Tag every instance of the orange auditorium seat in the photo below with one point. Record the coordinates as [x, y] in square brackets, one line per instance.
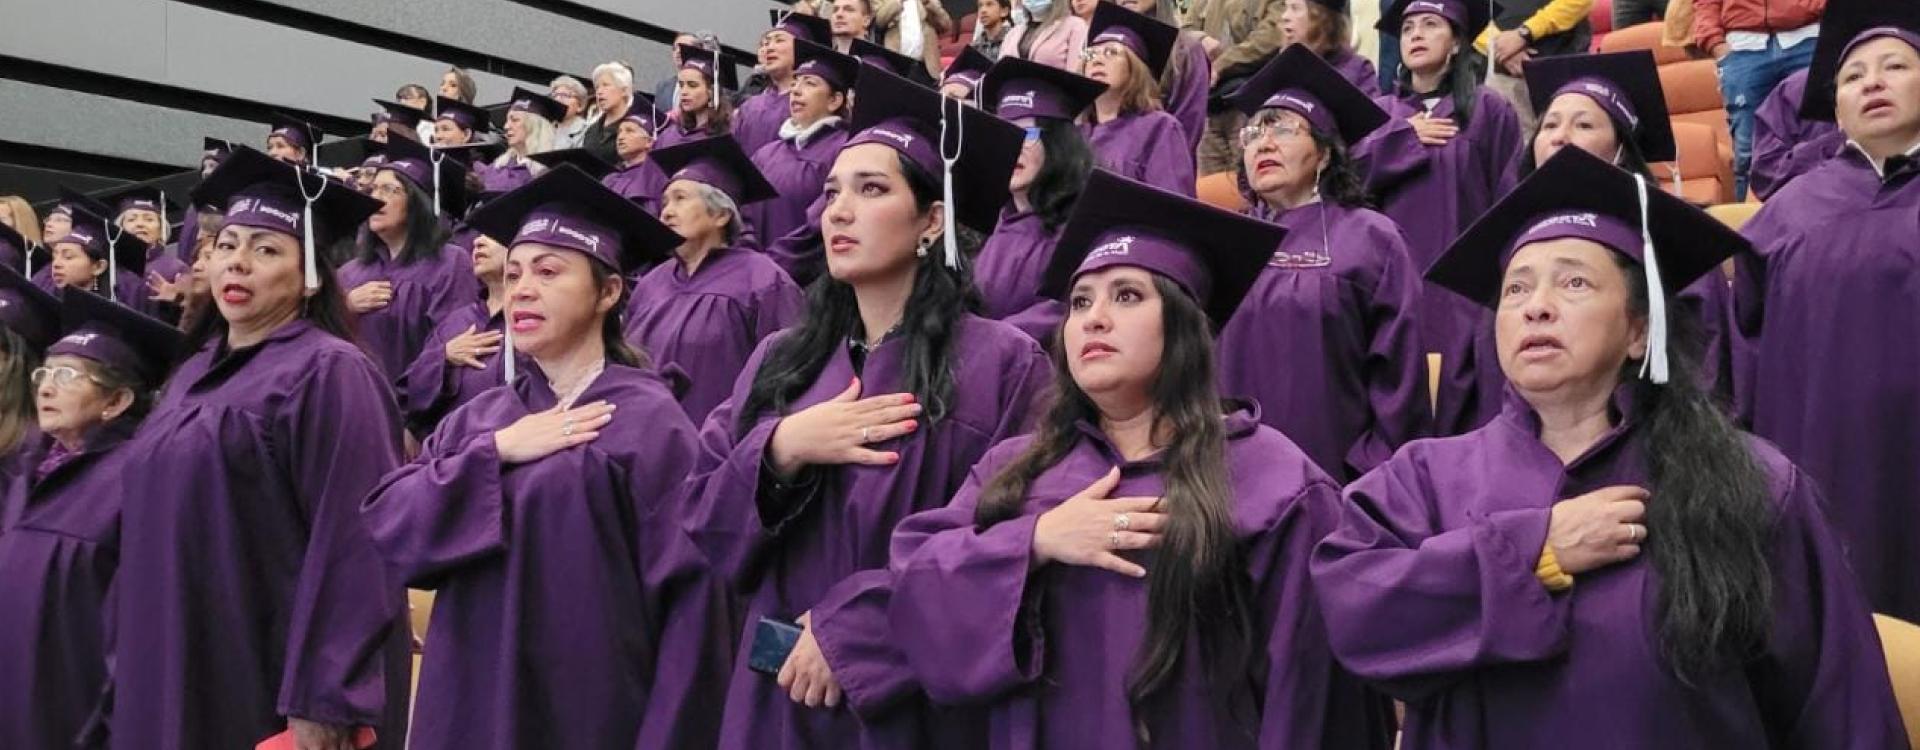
[1643, 36]
[1221, 189]
[1706, 177]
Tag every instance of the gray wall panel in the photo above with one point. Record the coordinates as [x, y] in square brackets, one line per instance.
[121, 37]
[91, 124]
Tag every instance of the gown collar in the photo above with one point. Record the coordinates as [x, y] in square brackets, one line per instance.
[1242, 418]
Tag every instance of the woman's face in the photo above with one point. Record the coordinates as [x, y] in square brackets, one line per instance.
[392, 194]
[284, 150]
[1877, 96]
[208, 164]
[575, 103]
[55, 227]
[553, 303]
[450, 85]
[1107, 63]
[1563, 324]
[632, 142]
[776, 52]
[1575, 119]
[71, 403]
[379, 132]
[811, 99]
[202, 257]
[516, 130]
[144, 224]
[489, 258]
[1114, 333]
[256, 276]
[1296, 23]
[1280, 156]
[694, 94]
[1084, 8]
[447, 133]
[73, 268]
[685, 211]
[1033, 157]
[1426, 43]
[871, 225]
[608, 94]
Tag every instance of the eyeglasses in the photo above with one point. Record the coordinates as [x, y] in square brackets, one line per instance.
[1033, 135]
[1256, 133]
[62, 377]
[1109, 51]
[383, 192]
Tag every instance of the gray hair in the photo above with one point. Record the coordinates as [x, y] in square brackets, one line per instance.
[621, 74]
[570, 82]
[718, 203]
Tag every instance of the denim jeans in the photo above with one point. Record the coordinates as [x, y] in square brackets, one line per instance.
[1745, 80]
[1389, 67]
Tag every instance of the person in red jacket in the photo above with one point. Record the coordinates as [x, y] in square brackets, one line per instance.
[1756, 44]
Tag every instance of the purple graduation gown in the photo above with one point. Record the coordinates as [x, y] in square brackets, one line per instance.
[670, 133]
[1007, 272]
[708, 325]
[641, 182]
[784, 553]
[757, 121]
[425, 291]
[500, 179]
[1428, 588]
[57, 565]
[798, 170]
[801, 252]
[1325, 342]
[1835, 308]
[1147, 147]
[1784, 145]
[1357, 69]
[1047, 652]
[572, 610]
[1434, 193]
[1186, 96]
[257, 593]
[432, 387]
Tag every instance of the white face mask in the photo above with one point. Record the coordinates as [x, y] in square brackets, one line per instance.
[1037, 8]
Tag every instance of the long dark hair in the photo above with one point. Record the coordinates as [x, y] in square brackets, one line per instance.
[1711, 517]
[612, 331]
[325, 309]
[1069, 160]
[940, 295]
[17, 408]
[425, 234]
[1631, 159]
[1199, 582]
[1462, 82]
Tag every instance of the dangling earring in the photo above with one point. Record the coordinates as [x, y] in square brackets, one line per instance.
[926, 243]
[1317, 173]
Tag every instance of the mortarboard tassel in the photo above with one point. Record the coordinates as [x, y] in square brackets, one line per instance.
[308, 250]
[948, 236]
[433, 163]
[506, 317]
[1656, 367]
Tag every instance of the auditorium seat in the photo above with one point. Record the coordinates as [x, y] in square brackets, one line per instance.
[419, 610]
[1600, 18]
[1643, 36]
[1221, 189]
[1734, 214]
[1706, 174]
[1901, 641]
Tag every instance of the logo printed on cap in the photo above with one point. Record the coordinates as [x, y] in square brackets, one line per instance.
[536, 225]
[1297, 102]
[592, 241]
[1108, 36]
[1588, 220]
[79, 339]
[905, 141]
[1018, 100]
[1597, 89]
[1423, 5]
[1118, 246]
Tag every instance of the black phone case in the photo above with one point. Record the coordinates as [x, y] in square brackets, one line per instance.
[773, 640]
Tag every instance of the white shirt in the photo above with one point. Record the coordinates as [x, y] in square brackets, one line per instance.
[1756, 41]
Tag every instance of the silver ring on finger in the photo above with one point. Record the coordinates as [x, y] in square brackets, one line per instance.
[866, 435]
[1121, 522]
[1113, 540]
[566, 428]
[1637, 531]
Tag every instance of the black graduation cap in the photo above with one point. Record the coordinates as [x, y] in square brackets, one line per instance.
[1302, 82]
[219, 147]
[1625, 84]
[581, 159]
[802, 26]
[717, 162]
[1150, 39]
[987, 146]
[711, 64]
[474, 153]
[886, 59]
[75, 200]
[300, 133]
[597, 214]
[257, 190]
[1215, 254]
[546, 107]
[967, 68]
[401, 114]
[1847, 24]
[838, 70]
[416, 162]
[465, 115]
[1467, 16]
[140, 196]
[27, 310]
[1015, 87]
[116, 335]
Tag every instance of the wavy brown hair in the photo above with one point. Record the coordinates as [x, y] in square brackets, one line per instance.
[17, 414]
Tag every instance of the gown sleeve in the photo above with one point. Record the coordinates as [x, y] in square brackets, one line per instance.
[429, 383]
[341, 433]
[1187, 100]
[1396, 369]
[1412, 607]
[726, 513]
[1168, 163]
[780, 305]
[1392, 155]
[1040, 320]
[1823, 681]
[443, 511]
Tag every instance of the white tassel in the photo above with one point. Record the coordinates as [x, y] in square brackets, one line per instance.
[948, 237]
[506, 319]
[1655, 367]
[433, 163]
[308, 249]
[112, 233]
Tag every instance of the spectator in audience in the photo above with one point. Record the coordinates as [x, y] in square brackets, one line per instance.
[1131, 135]
[529, 131]
[416, 96]
[1786, 145]
[1529, 29]
[668, 89]
[613, 98]
[1239, 36]
[458, 85]
[572, 128]
[1635, 12]
[1757, 44]
[1052, 35]
[1189, 73]
[992, 20]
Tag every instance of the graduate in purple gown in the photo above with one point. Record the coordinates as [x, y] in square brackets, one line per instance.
[1448, 155]
[796, 159]
[1832, 303]
[457, 123]
[254, 600]
[1610, 562]
[404, 276]
[1326, 27]
[142, 211]
[634, 178]
[1055, 160]
[29, 323]
[95, 256]
[961, 80]
[529, 130]
[1613, 106]
[759, 119]
[867, 411]
[292, 140]
[1186, 84]
[1786, 145]
[572, 611]
[461, 358]
[1325, 341]
[705, 108]
[1130, 133]
[213, 151]
[59, 553]
[1097, 558]
[706, 309]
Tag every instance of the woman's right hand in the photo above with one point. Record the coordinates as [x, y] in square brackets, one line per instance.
[1089, 527]
[838, 431]
[370, 296]
[536, 436]
[1433, 131]
[1598, 529]
[467, 348]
